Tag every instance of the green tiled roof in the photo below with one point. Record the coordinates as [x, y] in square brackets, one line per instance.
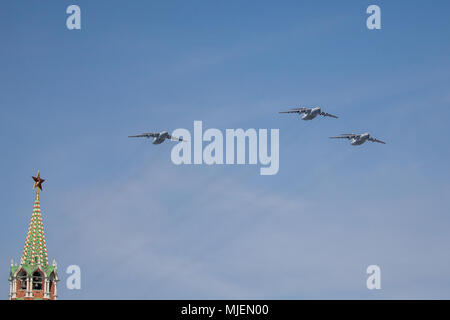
[35, 248]
[30, 269]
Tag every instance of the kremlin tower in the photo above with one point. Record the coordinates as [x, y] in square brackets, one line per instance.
[34, 278]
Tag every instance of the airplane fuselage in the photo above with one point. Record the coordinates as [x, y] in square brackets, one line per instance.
[311, 114]
[160, 139]
[360, 139]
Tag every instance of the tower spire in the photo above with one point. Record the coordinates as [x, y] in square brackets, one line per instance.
[35, 250]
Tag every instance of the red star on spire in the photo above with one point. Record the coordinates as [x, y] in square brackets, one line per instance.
[38, 181]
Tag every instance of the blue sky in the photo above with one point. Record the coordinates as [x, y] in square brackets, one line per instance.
[142, 228]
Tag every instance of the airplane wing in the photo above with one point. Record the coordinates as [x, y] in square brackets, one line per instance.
[326, 114]
[176, 138]
[376, 140]
[345, 135]
[146, 135]
[295, 110]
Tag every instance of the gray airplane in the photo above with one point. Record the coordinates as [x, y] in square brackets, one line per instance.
[309, 113]
[358, 139]
[158, 137]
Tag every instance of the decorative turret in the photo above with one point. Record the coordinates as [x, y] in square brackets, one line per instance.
[34, 278]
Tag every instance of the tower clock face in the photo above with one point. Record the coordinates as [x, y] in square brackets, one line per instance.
[212, 150]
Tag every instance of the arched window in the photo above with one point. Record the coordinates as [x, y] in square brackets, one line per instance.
[22, 277]
[37, 280]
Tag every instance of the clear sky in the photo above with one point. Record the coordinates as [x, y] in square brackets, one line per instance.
[141, 227]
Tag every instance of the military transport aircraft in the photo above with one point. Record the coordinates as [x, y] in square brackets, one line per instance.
[357, 139]
[158, 137]
[309, 113]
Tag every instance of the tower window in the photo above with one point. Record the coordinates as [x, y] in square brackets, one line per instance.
[23, 280]
[37, 280]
